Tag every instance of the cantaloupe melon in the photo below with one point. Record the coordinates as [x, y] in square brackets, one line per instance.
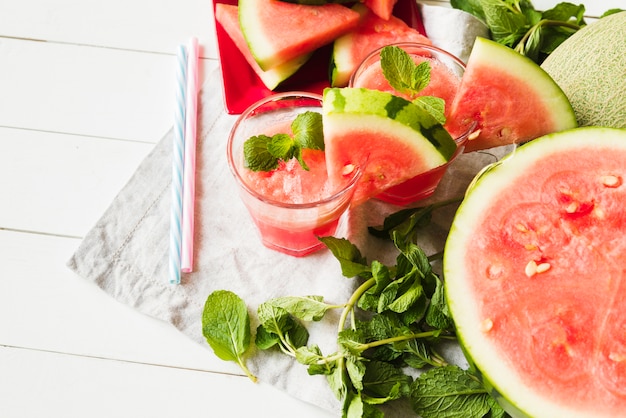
[590, 67]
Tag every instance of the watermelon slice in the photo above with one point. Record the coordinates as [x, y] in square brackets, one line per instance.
[382, 8]
[227, 16]
[394, 139]
[277, 31]
[511, 97]
[535, 276]
[373, 32]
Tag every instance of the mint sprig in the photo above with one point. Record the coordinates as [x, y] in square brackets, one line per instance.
[263, 153]
[409, 78]
[393, 320]
[518, 25]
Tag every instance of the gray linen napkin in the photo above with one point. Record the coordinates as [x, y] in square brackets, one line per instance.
[126, 252]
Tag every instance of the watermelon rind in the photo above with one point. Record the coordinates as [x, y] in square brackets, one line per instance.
[498, 120]
[518, 398]
[382, 121]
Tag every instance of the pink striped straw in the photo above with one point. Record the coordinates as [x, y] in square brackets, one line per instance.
[189, 174]
[177, 165]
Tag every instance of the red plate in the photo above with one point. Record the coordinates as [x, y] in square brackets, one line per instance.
[242, 87]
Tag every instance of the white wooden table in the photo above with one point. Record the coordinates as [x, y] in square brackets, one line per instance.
[86, 90]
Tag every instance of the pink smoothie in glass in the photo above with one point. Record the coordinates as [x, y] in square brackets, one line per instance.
[290, 206]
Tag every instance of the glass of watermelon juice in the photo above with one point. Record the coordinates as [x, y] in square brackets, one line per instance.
[290, 206]
[445, 78]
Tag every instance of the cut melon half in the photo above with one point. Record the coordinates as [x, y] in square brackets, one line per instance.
[278, 31]
[511, 98]
[227, 16]
[535, 276]
[390, 138]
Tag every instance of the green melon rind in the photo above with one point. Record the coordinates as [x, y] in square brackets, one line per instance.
[428, 134]
[502, 58]
[516, 397]
[252, 25]
[590, 67]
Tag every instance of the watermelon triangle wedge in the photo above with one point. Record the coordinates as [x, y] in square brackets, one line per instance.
[391, 139]
[227, 15]
[512, 98]
[278, 31]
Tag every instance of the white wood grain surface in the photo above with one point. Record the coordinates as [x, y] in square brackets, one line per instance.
[85, 93]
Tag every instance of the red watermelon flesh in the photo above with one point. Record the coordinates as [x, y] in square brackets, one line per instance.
[537, 253]
[510, 97]
[382, 8]
[373, 32]
[227, 16]
[278, 31]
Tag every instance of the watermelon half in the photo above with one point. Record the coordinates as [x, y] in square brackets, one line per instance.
[535, 272]
[392, 138]
[278, 31]
[227, 15]
[511, 98]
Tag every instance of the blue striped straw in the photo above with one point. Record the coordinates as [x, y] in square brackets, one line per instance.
[189, 174]
[177, 165]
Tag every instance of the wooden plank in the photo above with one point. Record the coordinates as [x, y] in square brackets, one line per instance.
[45, 306]
[61, 184]
[142, 25]
[38, 384]
[87, 91]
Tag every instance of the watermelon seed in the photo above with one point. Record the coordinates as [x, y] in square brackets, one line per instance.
[486, 325]
[533, 268]
[521, 227]
[347, 169]
[572, 207]
[474, 135]
[611, 181]
[494, 271]
[543, 267]
[599, 213]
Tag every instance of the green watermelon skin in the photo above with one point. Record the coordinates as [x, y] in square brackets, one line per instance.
[534, 275]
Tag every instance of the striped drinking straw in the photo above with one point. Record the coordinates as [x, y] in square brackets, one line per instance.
[189, 189]
[177, 166]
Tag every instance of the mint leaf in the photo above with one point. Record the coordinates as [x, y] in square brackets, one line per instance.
[383, 382]
[257, 155]
[401, 71]
[348, 255]
[263, 153]
[436, 106]
[503, 20]
[308, 130]
[226, 327]
[306, 308]
[450, 392]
